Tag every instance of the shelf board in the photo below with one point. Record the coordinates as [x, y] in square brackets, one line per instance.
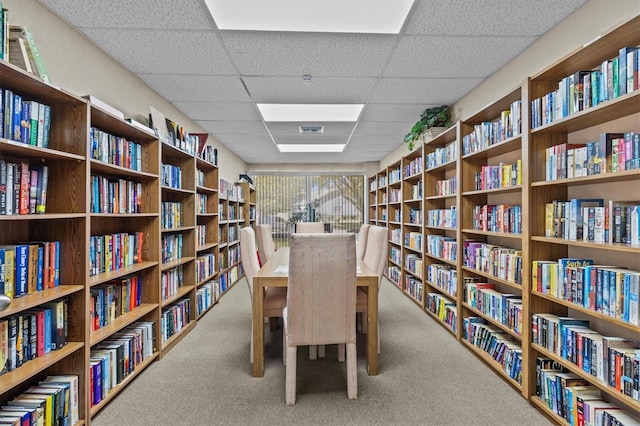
[590, 180]
[173, 340]
[118, 273]
[493, 278]
[492, 362]
[182, 291]
[440, 228]
[207, 279]
[440, 197]
[412, 178]
[121, 322]
[441, 259]
[413, 273]
[412, 201]
[206, 247]
[507, 145]
[413, 299]
[395, 263]
[449, 165]
[441, 290]
[541, 405]
[603, 246]
[206, 214]
[587, 311]
[44, 216]
[439, 321]
[112, 169]
[413, 249]
[176, 190]
[174, 263]
[201, 314]
[29, 151]
[174, 150]
[506, 189]
[200, 188]
[178, 229]
[122, 215]
[493, 321]
[492, 234]
[413, 225]
[23, 373]
[33, 300]
[204, 163]
[120, 386]
[612, 392]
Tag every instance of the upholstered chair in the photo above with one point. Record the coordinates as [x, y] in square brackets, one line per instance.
[275, 299]
[321, 301]
[375, 257]
[310, 228]
[361, 244]
[264, 241]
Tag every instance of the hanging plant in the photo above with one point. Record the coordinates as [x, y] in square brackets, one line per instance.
[431, 117]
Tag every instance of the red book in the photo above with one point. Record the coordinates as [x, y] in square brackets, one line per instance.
[25, 188]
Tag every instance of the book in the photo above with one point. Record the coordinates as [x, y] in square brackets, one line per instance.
[4, 346]
[18, 55]
[24, 33]
[19, 273]
[104, 106]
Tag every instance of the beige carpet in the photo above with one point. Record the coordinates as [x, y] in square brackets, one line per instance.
[426, 378]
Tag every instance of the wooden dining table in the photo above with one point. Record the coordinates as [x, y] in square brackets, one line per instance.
[274, 273]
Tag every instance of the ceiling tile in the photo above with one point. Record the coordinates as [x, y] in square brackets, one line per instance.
[375, 142]
[233, 126]
[163, 51]
[488, 17]
[240, 111]
[391, 112]
[297, 54]
[160, 14]
[198, 88]
[381, 128]
[425, 91]
[292, 89]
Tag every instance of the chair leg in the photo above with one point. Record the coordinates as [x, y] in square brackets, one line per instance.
[313, 352]
[341, 349]
[352, 371]
[321, 351]
[290, 375]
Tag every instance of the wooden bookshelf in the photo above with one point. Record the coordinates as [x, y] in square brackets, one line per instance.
[231, 220]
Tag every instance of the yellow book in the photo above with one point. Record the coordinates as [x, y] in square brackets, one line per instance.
[34, 393]
[9, 272]
[519, 172]
[549, 212]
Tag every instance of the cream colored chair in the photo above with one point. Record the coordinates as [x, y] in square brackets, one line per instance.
[275, 299]
[264, 241]
[310, 228]
[321, 301]
[375, 257]
[361, 245]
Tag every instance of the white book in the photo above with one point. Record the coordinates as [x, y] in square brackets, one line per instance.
[104, 106]
[599, 225]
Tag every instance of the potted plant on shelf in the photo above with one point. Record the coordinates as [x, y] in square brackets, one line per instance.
[433, 121]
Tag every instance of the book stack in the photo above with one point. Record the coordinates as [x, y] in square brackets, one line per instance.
[176, 317]
[115, 150]
[24, 120]
[113, 299]
[490, 133]
[23, 188]
[30, 267]
[114, 251]
[24, 53]
[110, 195]
[170, 281]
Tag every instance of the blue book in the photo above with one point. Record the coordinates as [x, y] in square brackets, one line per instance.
[17, 116]
[2, 289]
[563, 322]
[40, 281]
[47, 330]
[625, 298]
[25, 123]
[57, 263]
[21, 274]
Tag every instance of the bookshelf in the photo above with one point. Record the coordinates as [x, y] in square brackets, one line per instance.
[64, 220]
[503, 173]
[206, 236]
[393, 189]
[178, 242]
[231, 220]
[372, 199]
[412, 224]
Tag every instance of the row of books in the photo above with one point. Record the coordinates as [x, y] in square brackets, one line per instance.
[201, 235]
[413, 240]
[115, 150]
[206, 296]
[229, 190]
[413, 263]
[175, 318]
[29, 268]
[227, 212]
[113, 299]
[611, 153]
[415, 215]
[609, 290]
[394, 274]
[209, 154]
[414, 287]
[499, 261]
[585, 89]
[205, 266]
[490, 133]
[498, 218]
[444, 277]
[53, 401]
[395, 195]
[500, 346]
[170, 176]
[613, 360]
[395, 254]
[413, 168]
[394, 176]
[114, 251]
[444, 308]
[574, 399]
[171, 247]
[109, 195]
[589, 219]
[447, 186]
[32, 334]
[442, 247]
[501, 176]
[443, 218]
[442, 155]
[23, 188]
[200, 177]
[23, 120]
[170, 281]
[116, 358]
[503, 307]
[201, 203]
[171, 215]
[416, 191]
[395, 236]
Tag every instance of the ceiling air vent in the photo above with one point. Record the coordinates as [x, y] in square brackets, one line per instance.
[311, 130]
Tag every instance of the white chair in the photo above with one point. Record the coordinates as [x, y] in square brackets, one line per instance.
[375, 257]
[361, 245]
[264, 241]
[321, 301]
[275, 299]
[310, 228]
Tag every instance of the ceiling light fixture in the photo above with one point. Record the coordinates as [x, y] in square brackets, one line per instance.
[338, 16]
[294, 147]
[310, 112]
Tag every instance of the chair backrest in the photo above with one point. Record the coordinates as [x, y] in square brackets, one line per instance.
[248, 254]
[361, 246]
[310, 228]
[375, 256]
[321, 294]
[264, 240]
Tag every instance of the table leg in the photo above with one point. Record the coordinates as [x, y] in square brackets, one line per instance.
[258, 328]
[372, 332]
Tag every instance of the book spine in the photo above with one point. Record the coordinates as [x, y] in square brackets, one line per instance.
[42, 71]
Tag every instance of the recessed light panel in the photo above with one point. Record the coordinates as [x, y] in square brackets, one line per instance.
[310, 112]
[337, 16]
[294, 147]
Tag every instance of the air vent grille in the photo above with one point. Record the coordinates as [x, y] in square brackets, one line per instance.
[311, 130]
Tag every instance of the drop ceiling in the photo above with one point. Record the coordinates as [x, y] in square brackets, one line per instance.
[216, 77]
